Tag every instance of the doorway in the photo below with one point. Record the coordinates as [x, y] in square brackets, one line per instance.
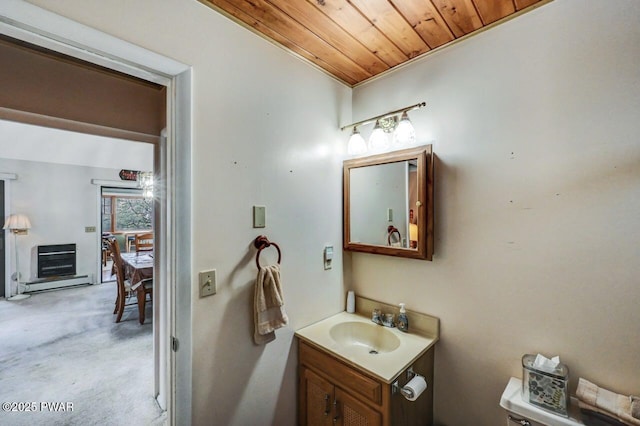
[30, 23]
[124, 213]
[64, 190]
[3, 246]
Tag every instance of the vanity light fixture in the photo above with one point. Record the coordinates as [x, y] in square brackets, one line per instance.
[403, 132]
[356, 144]
[379, 140]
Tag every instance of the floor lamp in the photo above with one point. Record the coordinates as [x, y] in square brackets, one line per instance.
[18, 224]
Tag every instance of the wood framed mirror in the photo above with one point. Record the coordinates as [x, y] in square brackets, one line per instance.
[388, 203]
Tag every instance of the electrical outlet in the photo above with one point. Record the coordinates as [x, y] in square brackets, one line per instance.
[207, 280]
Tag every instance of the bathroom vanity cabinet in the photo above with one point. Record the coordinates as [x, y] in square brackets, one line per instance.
[333, 392]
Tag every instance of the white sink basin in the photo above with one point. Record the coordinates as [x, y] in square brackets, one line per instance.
[352, 337]
[370, 337]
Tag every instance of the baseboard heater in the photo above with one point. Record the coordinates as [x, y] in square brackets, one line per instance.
[54, 283]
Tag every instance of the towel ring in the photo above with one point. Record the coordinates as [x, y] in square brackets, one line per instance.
[392, 230]
[262, 243]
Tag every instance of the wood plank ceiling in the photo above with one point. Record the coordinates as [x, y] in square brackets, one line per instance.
[355, 40]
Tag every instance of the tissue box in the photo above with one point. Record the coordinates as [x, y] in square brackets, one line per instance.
[544, 389]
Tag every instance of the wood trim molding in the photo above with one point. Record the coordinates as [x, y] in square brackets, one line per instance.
[75, 126]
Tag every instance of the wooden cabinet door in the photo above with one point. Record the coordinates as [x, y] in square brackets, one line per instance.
[351, 412]
[317, 400]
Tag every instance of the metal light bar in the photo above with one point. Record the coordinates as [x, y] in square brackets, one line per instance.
[388, 114]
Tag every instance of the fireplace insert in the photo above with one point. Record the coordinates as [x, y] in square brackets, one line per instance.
[56, 260]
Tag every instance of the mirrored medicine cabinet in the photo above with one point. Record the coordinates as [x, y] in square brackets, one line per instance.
[388, 203]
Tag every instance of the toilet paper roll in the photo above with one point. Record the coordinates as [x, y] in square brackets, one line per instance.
[414, 388]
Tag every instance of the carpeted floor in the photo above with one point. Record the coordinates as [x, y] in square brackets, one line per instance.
[64, 347]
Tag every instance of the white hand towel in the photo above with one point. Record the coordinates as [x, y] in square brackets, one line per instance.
[611, 402]
[269, 313]
[587, 391]
[635, 407]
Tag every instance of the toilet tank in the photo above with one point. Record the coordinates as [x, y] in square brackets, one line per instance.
[519, 412]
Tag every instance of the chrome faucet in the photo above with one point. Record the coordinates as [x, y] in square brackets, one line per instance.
[376, 316]
[388, 320]
[382, 319]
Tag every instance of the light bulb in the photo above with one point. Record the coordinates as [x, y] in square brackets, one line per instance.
[404, 134]
[378, 141]
[356, 143]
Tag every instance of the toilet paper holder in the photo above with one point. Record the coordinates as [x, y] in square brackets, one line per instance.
[407, 393]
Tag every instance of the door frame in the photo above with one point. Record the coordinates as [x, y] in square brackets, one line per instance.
[7, 178]
[26, 22]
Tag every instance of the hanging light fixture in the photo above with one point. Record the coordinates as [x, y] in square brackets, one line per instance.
[404, 134]
[385, 124]
[378, 141]
[356, 144]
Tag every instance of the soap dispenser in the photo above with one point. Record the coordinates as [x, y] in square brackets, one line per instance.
[403, 321]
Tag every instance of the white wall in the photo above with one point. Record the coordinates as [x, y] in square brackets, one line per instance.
[265, 132]
[60, 201]
[535, 124]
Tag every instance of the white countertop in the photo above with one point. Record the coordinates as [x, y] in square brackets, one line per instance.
[384, 366]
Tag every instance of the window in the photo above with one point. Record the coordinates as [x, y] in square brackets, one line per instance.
[133, 214]
[126, 212]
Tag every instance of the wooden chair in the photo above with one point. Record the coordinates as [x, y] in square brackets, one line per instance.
[125, 289]
[105, 253]
[129, 241]
[143, 288]
[144, 242]
[106, 248]
[122, 243]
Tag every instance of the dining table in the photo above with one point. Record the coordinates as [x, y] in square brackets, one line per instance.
[137, 266]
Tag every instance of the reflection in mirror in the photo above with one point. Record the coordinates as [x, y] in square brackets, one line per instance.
[382, 217]
[394, 239]
[388, 203]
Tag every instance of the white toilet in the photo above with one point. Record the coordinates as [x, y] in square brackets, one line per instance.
[522, 413]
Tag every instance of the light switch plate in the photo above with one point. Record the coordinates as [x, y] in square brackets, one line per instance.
[328, 257]
[89, 229]
[207, 280]
[259, 216]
